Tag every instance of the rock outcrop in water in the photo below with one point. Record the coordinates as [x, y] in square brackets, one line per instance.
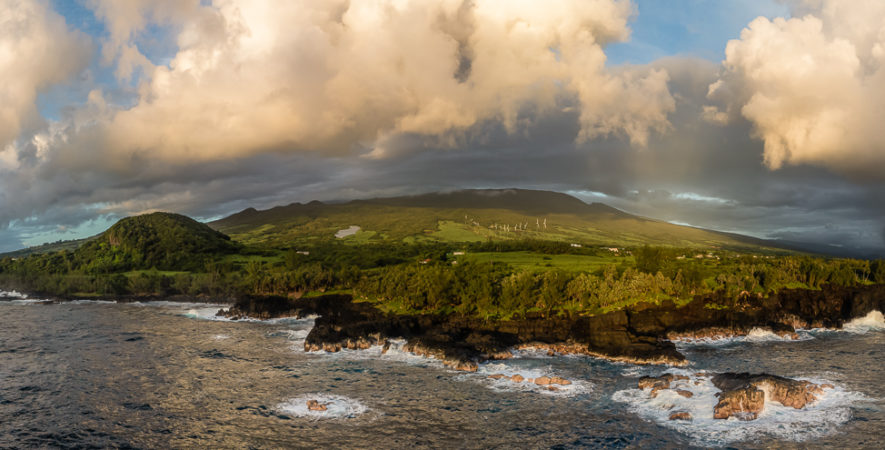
[793, 393]
[743, 395]
[744, 403]
[315, 405]
[639, 334]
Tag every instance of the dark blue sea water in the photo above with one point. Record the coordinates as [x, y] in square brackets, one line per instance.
[96, 375]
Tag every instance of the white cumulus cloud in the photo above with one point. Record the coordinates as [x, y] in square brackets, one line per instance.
[813, 86]
[36, 51]
[257, 76]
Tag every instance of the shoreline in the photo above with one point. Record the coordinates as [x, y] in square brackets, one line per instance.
[645, 334]
[642, 334]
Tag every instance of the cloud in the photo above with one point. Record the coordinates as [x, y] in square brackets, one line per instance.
[265, 103]
[36, 51]
[256, 76]
[812, 86]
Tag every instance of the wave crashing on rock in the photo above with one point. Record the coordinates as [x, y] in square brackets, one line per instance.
[873, 321]
[664, 400]
[322, 406]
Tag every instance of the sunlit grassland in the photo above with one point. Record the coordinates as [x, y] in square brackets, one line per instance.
[539, 262]
[410, 225]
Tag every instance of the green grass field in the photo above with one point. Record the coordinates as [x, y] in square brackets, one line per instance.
[539, 262]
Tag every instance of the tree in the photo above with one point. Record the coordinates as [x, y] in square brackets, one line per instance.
[649, 259]
[877, 270]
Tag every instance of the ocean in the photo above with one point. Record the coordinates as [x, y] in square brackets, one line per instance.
[159, 375]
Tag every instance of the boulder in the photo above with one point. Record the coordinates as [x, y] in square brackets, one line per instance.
[658, 383]
[517, 378]
[497, 376]
[793, 393]
[560, 381]
[680, 415]
[314, 405]
[542, 381]
[684, 393]
[744, 403]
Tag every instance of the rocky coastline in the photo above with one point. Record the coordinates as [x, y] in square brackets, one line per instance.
[640, 334]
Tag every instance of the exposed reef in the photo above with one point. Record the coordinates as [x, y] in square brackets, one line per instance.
[639, 334]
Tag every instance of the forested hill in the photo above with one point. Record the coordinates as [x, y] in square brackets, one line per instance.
[160, 240]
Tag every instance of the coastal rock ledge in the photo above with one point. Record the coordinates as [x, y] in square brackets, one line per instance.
[638, 334]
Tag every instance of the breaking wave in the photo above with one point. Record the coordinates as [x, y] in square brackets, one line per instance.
[529, 372]
[874, 321]
[821, 418]
[13, 294]
[755, 336]
[337, 407]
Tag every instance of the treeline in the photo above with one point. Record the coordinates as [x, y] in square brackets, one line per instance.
[418, 278]
[533, 245]
[493, 290]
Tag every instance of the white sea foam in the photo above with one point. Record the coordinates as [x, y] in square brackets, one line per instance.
[395, 352]
[205, 313]
[12, 294]
[297, 334]
[296, 320]
[874, 321]
[337, 407]
[821, 418]
[25, 301]
[756, 336]
[528, 370]
[91, 302]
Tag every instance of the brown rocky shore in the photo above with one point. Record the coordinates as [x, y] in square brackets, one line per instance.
[639, 334]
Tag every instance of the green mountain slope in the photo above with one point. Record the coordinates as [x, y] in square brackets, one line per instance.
[469, 215]
[162, 240]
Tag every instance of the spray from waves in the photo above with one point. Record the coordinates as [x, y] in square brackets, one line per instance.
[821, 418]
[874, 321]
[296, 333]
[337, 407]
[394, 352]
[25, 301]
[490, 375]
[13, 294]
[755, 336]
[209, 311]
[91, 302]
[17, 298]
[204, 313]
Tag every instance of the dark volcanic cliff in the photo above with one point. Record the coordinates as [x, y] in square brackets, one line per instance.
[639, 334]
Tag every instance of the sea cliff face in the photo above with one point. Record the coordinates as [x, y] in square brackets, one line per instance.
[641, 334]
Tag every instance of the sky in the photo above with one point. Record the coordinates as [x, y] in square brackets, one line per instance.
[754, 116]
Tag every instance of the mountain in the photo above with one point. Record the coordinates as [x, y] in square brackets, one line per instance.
[470, 215]
[162, 240]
